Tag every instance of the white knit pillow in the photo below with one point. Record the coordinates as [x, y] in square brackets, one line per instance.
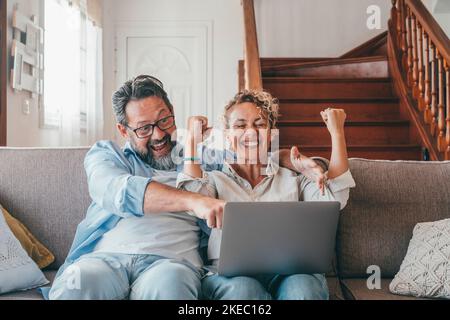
[425, 271]
[17, 271]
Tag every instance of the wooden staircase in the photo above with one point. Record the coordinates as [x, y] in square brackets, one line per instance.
[375, 128]
[362, 87]
[395, 89]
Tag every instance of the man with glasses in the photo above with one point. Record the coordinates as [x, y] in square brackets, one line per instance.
[141, 236]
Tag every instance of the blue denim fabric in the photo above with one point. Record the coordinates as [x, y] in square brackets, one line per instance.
[293, 287]
[107, 276]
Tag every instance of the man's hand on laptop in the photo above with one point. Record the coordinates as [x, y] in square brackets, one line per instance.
[209, 209]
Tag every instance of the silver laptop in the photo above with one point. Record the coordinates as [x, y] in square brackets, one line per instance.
[278, 238]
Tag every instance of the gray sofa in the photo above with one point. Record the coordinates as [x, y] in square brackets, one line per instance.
[46, 189]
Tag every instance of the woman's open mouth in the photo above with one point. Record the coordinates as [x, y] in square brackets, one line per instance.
[250, 144]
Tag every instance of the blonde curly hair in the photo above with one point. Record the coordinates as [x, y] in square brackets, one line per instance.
[268, 105]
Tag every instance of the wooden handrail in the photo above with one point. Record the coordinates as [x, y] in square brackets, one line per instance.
[422, 52]
[252, 63]
[367, 47]
[433, 29]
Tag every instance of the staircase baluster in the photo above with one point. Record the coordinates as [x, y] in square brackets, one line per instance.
[441, 113]
[404, 43]
[399, 22]
[421, 102]
[433, 91]
[427, 98]
[415, 88]
[410, 49]
[394, 14]
[447, 80]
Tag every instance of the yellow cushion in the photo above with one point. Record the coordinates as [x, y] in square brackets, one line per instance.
[36, 250]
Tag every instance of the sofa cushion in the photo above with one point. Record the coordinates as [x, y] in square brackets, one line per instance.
[390, 198]
[425, 272]
[29, 294]
[36, 250]
[356, 289]
[47, 191]
[17, 270]
[334, 288]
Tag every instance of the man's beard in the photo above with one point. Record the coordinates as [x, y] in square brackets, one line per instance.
[162, 163]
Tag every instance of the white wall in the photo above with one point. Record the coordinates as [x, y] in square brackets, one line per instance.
[440, 9]
[315, 28]
[444, 21]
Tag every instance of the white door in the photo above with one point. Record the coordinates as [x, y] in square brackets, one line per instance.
[179, 54]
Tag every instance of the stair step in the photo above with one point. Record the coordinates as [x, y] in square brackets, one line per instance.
[272, 62]
[362, 110]
[319, 62]
[364, 67]
[328, 88]
[380, 152]
[356, 132]
[314, 123]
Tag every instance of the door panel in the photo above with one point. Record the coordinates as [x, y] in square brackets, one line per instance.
[179, 54]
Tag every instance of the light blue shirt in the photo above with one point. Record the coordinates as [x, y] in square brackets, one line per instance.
[117, 182]
[174, 235]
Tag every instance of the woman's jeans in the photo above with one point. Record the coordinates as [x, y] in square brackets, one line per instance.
[294, 287]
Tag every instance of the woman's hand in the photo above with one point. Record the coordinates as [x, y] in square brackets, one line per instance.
[197, 133]
[198, 128]
[334, 119]
[309, 168]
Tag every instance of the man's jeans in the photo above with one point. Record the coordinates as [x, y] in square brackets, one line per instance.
[109, 276]
[294, 287]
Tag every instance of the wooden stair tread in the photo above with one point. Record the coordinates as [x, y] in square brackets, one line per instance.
[340, 100]
[375, 152]
[268, 61]
[358, 133]
[359, 117]
[358, 147]
[351, 123]
[328, 88]
[325, 79]
[356, 110]
[322, 63]
[352, 68]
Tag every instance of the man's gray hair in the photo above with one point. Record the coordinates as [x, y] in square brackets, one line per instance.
[141, 87]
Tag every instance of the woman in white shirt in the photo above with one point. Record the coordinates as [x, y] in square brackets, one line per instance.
[249, 122]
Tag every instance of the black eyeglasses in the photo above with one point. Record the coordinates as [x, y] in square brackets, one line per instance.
[147, 130]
